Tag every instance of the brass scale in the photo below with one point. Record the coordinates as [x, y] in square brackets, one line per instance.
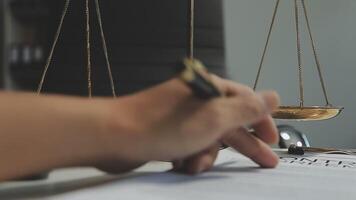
[297, 113]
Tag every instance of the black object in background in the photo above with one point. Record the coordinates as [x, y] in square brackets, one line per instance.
[291, 136]
[2, 24]
[145, 41]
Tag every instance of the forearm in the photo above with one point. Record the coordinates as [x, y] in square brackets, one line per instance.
[39, 133]
[42, 133]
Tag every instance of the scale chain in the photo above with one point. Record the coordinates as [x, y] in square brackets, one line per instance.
[191, 26]
[105, 49]
[266, 45]
[316, 57]
[88, 47]
[53, 47]
[299, 54]
[300, 67]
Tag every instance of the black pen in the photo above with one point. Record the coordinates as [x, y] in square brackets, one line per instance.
[197, 77]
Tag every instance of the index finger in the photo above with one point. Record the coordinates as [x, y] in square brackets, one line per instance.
[266, 130]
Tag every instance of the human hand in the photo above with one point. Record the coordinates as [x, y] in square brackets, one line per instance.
[168, 123]
[252, 144]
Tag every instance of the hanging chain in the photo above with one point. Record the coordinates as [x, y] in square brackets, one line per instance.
[87, 14]
[191, 19]
[53, 47]
[88, 47]
[266, 45]
[105, 49]
[299, 54]
[317, 62]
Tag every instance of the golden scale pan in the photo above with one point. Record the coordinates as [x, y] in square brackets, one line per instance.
[298, 113]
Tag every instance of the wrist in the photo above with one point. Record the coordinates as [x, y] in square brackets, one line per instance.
[82, 122]
[123, 135]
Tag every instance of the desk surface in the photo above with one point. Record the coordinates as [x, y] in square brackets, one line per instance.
[312, 176]
[67, 180]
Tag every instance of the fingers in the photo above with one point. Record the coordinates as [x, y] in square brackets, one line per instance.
[198, 163]
[231, 88]
[252, 147]
[266, 130]
[245, 110]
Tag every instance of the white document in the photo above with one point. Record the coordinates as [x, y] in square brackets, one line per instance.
[313, 176]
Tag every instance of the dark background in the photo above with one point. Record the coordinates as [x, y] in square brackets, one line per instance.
[1, 44]
[146, 39]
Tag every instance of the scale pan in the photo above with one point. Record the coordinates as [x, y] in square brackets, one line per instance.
[312, 113]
